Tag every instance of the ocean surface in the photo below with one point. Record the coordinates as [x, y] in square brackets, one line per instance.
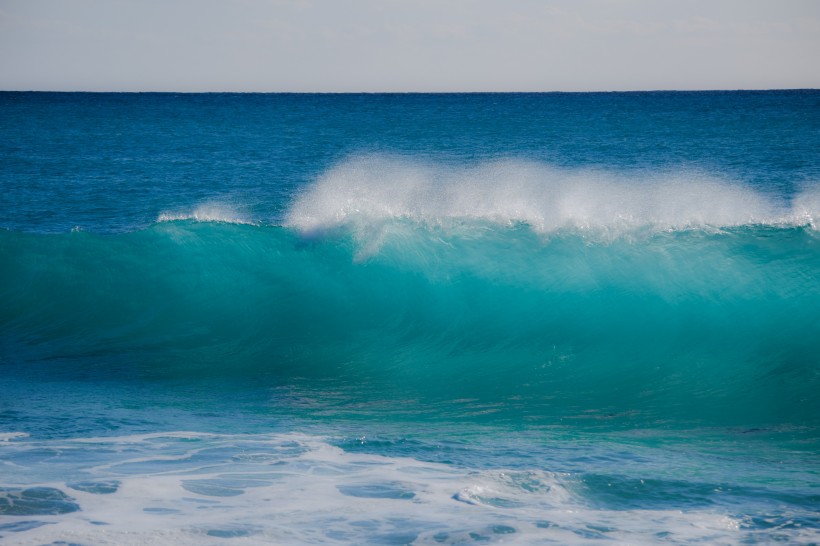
[562, 318]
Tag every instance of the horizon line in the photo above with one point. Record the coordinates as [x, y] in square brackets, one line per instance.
[158, 92]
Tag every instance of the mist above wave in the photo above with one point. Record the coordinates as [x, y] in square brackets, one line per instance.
[365, 192]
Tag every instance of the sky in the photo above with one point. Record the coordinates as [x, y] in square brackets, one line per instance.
[408, 45]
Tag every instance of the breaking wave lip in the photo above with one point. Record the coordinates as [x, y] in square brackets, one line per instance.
[209, 212]
[363, 193]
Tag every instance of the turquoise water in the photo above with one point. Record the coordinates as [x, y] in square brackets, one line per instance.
[528, 318]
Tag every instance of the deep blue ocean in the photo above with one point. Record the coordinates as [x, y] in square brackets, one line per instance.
[561, 318]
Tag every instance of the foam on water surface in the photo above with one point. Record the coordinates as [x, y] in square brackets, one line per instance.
[297, 488]
[10, 436]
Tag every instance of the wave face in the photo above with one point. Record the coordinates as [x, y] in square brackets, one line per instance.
[708, 320]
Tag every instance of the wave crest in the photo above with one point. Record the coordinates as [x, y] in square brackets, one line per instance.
[363, 193]
[211, 211]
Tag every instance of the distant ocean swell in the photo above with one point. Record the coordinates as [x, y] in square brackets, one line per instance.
[593, 294]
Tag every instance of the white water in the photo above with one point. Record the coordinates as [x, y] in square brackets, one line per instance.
[364, 192]
[211, 211]
[189, 488]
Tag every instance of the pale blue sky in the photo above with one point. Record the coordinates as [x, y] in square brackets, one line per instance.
[401, 45]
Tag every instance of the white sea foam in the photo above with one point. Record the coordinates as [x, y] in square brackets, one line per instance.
[211, 211]
[363, 193]
[806, 206]
[294, 488]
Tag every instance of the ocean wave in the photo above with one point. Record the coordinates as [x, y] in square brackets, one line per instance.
[724, 322]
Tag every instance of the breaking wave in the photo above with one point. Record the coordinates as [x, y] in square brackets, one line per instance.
[565, 294]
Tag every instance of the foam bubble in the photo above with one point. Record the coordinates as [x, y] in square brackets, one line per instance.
[365, 193]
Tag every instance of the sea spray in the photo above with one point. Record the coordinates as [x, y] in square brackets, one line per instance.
[365, 191]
